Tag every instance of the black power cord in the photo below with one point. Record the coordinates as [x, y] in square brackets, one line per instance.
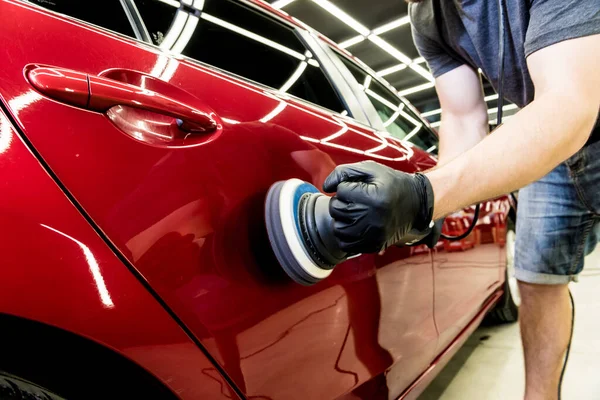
[564, 367]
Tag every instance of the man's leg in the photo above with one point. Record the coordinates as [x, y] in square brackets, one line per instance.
[545, 330]
[557, 225]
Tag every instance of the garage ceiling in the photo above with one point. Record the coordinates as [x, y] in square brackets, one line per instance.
[378, 32]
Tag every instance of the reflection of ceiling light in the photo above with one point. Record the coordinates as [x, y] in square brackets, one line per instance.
[391, 25]
[294, 78]
[394, 116]
[186, 34]
[175, 30]
[378, 148]
[281, 3]
[381, 99]
[367, 83]
[337, 134]
[93, 266]
[231, 121]
[6, 133]
[342, 16]
[309, 139]
[432, 148]
[409, 118]
[252, 35]
[276, 111]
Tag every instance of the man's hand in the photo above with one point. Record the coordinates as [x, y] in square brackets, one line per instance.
[376, 206]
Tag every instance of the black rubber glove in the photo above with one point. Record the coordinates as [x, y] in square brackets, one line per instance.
[375, 206]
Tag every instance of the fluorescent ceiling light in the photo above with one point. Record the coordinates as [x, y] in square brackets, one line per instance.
[281, 3]
[351, 42]
[367, 83]
[391, 50]
[415, 89]
[490, 98]
[436, 124]
[422, 71]
[391, 70]
[294, 78]
[342, 16]
[413, 132]
[391, 25]
[419, 60]
[252, 35]
[172, 3]
[432, 148]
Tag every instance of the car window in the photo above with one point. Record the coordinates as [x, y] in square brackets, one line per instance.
[398, 119]
[108, 14]
[236, 38]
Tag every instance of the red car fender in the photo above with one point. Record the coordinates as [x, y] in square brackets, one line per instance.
[56, 270]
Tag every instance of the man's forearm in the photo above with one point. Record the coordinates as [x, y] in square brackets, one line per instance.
[526, 148]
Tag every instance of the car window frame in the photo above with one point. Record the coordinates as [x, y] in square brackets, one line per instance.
[338, 84]
[375, 121]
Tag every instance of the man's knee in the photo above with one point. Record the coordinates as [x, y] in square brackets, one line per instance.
[532, 293]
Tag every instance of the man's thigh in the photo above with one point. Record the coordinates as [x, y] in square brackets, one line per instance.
[557, 220]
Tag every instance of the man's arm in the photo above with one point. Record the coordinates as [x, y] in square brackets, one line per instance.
[538, 138]
[464, 112]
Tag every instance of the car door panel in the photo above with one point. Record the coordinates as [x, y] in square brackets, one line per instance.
[469, 271]
[191, 219]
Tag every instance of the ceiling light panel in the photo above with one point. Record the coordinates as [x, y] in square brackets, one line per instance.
[342, 16]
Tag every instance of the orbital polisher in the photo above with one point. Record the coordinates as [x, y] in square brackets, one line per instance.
[300, 230]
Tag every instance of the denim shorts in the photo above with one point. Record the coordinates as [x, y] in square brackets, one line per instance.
[558, 220]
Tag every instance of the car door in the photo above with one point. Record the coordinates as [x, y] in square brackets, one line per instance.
[171, 159]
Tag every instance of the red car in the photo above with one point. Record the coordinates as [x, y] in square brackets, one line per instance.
[138, 139]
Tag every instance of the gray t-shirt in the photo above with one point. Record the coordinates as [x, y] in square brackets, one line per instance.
[470, 31]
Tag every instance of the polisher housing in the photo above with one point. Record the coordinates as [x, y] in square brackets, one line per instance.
[300, 230]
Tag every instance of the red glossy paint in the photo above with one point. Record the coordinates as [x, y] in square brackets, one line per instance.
[57, 270]
[69, 87]
[190, 219]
